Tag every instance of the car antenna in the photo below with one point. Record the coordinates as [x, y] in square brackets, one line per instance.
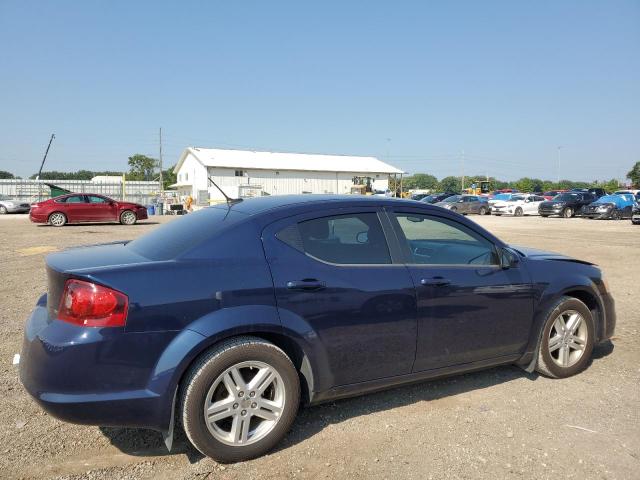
[230, 201]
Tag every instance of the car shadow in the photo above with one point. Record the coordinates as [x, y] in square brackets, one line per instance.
[137, 224]
[312, 420]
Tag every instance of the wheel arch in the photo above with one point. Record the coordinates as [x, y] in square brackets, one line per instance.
[189, 344]
[587, 294]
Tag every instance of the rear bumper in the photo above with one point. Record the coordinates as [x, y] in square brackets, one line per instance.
[84, 375]
[37, 217]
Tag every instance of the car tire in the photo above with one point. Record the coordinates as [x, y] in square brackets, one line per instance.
[483, 211]
[128, 218]
[453, 209]
[57, 219]
[213, 374]
[567, 212]
[566, 343]
[518, 212]
[3, 210]
[544, 216]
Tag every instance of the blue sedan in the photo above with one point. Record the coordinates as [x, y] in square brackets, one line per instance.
[226, 320]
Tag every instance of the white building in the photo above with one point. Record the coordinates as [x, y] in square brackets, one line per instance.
[246, 173]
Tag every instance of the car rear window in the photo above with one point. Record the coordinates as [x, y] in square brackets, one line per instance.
[177, 237]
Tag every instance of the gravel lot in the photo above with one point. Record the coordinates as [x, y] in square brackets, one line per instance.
[493, 424]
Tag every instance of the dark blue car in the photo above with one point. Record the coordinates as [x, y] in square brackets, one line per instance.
[229, 318]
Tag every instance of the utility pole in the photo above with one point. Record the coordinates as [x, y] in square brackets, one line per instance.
[462, 161]
[558, 170]
[161, 184]
[53, 135]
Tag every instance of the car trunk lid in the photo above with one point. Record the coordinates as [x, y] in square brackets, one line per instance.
[83, 262]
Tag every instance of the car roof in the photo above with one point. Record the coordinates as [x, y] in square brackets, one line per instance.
[257, 205]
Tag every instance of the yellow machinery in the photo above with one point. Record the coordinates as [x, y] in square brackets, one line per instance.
[478, 188]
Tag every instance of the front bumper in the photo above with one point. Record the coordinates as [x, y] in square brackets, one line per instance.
[85, 375]
[610, 317]
[551, 211]
[18, 209]
[141, 214]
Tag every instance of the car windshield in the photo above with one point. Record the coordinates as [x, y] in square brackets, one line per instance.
[516, 199]
[566, 197]
[452, 199]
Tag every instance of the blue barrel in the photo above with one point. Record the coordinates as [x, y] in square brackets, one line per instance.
[151, 210]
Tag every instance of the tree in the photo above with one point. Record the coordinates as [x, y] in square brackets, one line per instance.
[634, 175]
[611, 185]
[525, 184]
[4, 174]
[450, 184]
[421, 181]
[142, 167]
[168, 177]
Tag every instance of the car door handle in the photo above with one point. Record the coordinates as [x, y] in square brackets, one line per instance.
[308, 284]
[435, 282]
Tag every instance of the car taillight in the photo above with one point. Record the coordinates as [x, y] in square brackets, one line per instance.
[90, 305]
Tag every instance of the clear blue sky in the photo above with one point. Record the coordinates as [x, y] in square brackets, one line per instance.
[412, 82]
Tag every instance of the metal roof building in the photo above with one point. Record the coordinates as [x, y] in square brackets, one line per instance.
[248, 173]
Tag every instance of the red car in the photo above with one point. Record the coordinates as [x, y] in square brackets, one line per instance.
[85, 207]
[552, 193]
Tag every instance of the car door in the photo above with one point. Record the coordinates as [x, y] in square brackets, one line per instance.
[334, 277]
[101, 209]
[74, 207]
[469, 308]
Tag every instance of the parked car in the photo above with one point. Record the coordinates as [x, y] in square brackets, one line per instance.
[596, 192]
[465, 204]
[226, 319]
[501, 197]
[517, 205]
[635, 215]
[9, 205]
[418, 196]
[549, 195]
[81, 207]
[565, 204]
[613, 207]
[437, 197]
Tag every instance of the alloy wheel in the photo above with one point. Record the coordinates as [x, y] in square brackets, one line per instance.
[518, 212]
[244, 403]
[128, 218]
[568, 338]
[57, 219]
[3, 209]
[568, 212]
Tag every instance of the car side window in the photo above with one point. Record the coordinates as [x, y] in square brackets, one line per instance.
[342, 239]
[95, 199]
[75, 199]
[439, 241]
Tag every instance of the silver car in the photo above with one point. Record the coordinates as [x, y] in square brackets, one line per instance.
[465, 204]
[8, 205]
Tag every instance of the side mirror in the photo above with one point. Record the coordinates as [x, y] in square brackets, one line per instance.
[508, 258]
[460, 201]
